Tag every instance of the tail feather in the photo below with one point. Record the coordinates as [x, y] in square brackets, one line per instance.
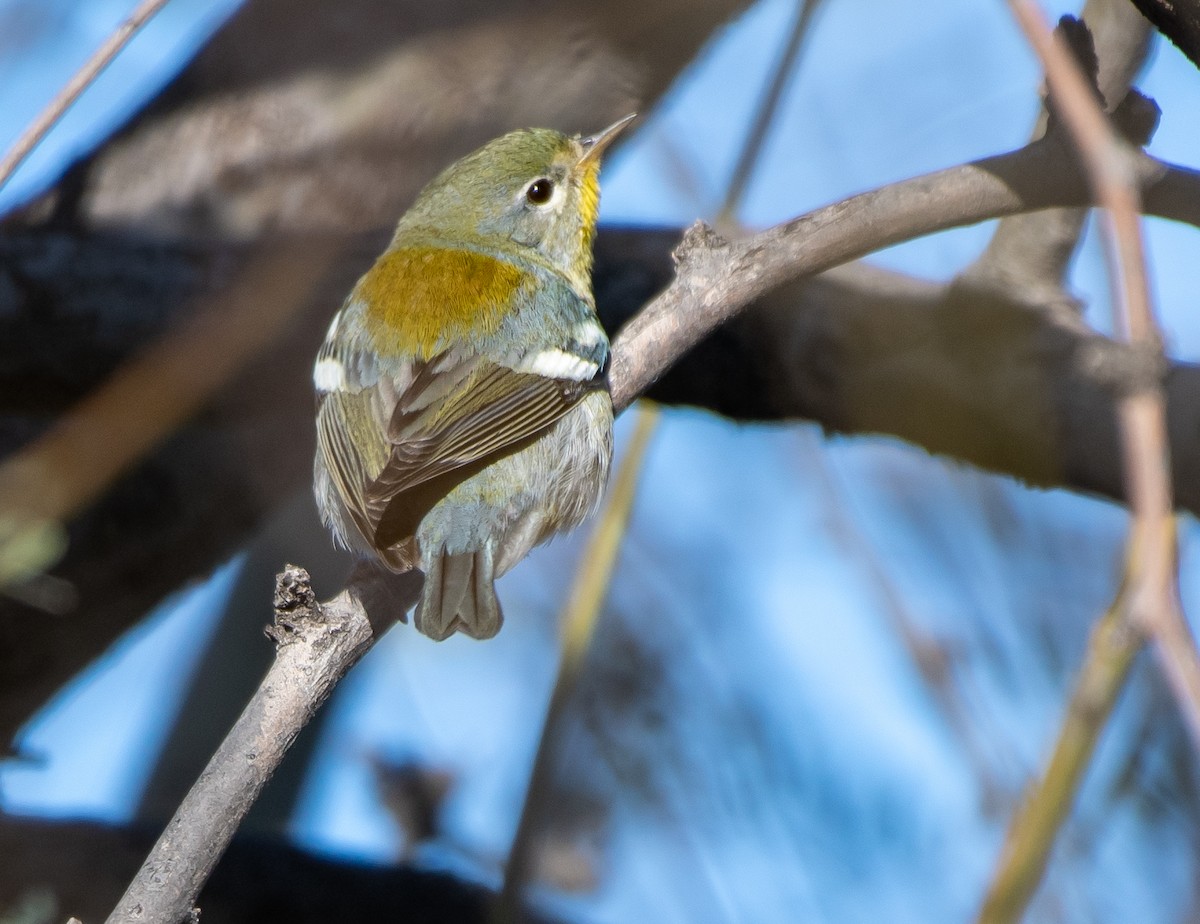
[459, 595]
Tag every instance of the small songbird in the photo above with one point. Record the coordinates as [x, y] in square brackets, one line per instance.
[463, 413]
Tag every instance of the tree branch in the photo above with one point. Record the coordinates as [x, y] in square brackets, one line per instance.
[63, 101]
[315, 645]
[714, 281]
[1029, 254]
[717, 279]
[1034, 827]
[1178, 20]
[1152, 557]
[1147, 601]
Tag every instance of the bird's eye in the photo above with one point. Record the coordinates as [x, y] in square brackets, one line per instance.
[540, 191]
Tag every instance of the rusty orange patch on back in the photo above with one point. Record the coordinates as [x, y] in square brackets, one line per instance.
[418, 296]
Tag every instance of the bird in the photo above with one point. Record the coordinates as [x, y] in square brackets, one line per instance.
[463, 414]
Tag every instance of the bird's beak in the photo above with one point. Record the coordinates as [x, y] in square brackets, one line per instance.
[594, 145]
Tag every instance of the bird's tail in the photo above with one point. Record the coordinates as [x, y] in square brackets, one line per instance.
[459, 594]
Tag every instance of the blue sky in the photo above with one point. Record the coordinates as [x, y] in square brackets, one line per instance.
[869, 791]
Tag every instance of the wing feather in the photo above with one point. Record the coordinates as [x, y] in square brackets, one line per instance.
[491, 411]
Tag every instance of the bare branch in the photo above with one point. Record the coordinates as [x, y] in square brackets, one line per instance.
[104, 55]
[764, 116]
[1106, 664]
[1178, 20]
[858, 350]
[717, 279]
[1147, 599]
[1029, 254]
[1152, 551]
[315, 645]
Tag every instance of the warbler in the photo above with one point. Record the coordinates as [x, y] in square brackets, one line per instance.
[463, 412]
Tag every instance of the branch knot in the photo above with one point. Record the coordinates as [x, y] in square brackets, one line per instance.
[699, 242]
[295, 603]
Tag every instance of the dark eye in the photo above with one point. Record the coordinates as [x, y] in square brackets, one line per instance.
[540, 191]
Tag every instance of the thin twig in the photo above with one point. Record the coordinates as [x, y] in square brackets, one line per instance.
[765, 115]
[579, 622]
[1028, 255]
[1147, 596]
[54, 111]
[1031, 835]
[1142, 415]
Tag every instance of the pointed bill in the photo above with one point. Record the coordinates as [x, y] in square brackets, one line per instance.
[594, 145]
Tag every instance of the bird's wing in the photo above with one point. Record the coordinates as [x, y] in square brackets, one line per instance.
[459, 414]
[354, 406]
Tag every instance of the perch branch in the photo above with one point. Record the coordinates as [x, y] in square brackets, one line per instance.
[315, 645]
[716, 278]
[854, 351]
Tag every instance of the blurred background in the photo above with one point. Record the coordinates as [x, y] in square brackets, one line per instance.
[828, 662]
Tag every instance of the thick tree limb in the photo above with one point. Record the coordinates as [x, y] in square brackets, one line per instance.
[1178, 20]
[309, 116]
